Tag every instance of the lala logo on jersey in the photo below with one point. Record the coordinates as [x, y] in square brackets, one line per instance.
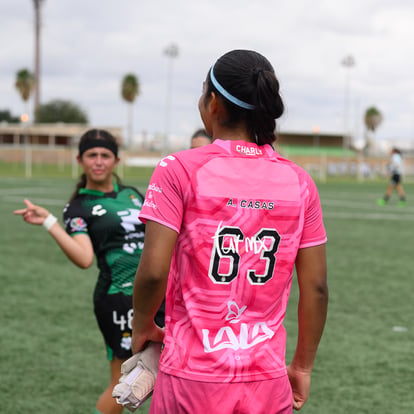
[234, 312]
[226, 337]
[78, 224]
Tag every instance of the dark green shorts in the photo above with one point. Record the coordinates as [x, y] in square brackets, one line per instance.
[114, 316]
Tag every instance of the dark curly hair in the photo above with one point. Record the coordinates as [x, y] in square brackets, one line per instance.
[248, 77]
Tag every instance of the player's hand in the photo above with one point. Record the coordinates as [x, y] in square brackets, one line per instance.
[300, 381]
[32, 214]
[138, 377]
[140, 338]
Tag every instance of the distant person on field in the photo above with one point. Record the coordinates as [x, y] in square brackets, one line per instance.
[200, 138]
[395, 169]
[226, 224]
[101, 218]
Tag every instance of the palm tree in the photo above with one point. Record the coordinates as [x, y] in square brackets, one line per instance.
[373, 118]
[130, 90]
[24, 83]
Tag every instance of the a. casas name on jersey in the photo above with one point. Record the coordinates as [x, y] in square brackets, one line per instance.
[253, 204]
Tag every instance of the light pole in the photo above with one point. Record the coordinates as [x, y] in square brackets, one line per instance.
[171, 52]
[37, 4]
[347, 62]
[316, 138]
[24, 118]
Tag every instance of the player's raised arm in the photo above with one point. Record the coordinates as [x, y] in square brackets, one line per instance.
[77, 248]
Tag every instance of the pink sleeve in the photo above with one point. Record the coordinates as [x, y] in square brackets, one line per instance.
[164, 198]
[314, 232]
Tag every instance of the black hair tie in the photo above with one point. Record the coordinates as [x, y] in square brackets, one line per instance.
[256, 73]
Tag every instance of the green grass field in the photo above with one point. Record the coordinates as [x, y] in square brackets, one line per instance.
[52, 356]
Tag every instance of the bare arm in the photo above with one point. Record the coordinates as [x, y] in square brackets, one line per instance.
[312, 309]
[78, 248]
[151, 282]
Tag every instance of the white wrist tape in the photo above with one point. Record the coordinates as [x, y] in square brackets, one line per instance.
[50, 220]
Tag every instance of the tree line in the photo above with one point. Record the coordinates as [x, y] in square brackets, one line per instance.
[61, 110]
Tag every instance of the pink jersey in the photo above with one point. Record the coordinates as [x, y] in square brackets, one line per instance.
[241, 213]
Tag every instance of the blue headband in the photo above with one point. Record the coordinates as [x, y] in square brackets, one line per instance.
[228, 95]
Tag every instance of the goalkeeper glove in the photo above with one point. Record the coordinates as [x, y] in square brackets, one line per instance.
[138, 379]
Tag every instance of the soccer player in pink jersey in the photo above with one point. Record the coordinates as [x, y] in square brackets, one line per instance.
[225, 226]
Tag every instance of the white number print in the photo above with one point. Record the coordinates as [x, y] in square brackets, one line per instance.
[121, 320]
[227, 243]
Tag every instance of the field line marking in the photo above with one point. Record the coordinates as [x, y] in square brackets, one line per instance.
[367, 216]
[40, 201]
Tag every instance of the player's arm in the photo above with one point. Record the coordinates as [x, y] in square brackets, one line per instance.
[312, 309]
[151, 282]
[78, 248]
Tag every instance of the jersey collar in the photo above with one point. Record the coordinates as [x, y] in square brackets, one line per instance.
[97, 192]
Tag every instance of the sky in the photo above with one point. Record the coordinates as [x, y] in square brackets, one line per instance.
[87, 46]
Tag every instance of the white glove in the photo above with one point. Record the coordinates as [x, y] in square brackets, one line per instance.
[138, 379]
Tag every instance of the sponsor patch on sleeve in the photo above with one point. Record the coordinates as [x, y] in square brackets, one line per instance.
[78, 224]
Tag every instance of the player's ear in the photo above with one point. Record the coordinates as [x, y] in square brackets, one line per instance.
[216, 107]
[213, 104]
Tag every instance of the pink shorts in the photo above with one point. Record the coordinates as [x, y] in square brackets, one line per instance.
[174, 395]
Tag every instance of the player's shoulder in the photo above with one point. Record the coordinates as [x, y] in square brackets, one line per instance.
[130, 189]
[74, 207]
[189, 158]
[283, 160]
[198, 153]
[300, 172]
